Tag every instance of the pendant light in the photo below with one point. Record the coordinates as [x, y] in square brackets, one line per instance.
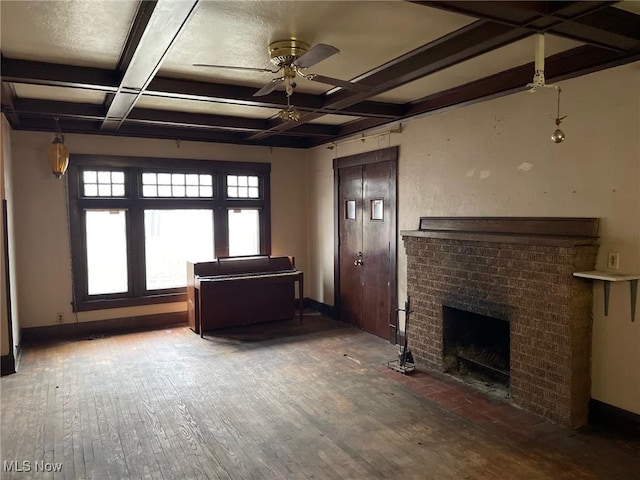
[58, 153]
[558, 135]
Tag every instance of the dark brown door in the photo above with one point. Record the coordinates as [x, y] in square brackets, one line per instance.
[366, 209]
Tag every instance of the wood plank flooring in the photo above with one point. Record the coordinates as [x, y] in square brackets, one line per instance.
[275, 401]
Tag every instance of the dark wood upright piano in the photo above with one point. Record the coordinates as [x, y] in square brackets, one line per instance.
[235, 291]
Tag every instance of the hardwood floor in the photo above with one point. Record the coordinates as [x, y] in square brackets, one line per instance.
[274, 401]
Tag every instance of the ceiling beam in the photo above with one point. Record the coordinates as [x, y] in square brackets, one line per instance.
[50, 74]
[56, 75]
[594, 23]
[70, 126]
[238, 95]
[156, 28]
[164, 118]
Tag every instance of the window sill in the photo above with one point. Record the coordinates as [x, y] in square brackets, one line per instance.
[105, 304]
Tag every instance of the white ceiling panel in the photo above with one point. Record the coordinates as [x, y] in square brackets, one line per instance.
[211, 108]
[85, 33]
[334, 119]
[366, 33]
[517, 53]
[60, 94]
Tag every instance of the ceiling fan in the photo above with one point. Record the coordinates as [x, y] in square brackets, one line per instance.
[292, 57]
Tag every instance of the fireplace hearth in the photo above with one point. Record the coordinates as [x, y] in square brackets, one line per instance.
[517, 272]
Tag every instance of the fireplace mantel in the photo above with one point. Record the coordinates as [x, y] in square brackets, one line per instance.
[558, 231]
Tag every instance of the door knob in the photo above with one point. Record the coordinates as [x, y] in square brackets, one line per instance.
[357, 262]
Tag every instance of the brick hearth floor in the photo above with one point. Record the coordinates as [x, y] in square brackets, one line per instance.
[478, 407]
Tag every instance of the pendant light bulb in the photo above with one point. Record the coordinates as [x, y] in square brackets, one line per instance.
[557, 136]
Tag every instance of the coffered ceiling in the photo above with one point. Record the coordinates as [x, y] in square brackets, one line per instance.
[127, 67]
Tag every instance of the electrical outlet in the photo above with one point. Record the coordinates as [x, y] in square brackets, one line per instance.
[613, 261]
[60, 317]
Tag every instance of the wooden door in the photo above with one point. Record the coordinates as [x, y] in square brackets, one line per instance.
[366, 277]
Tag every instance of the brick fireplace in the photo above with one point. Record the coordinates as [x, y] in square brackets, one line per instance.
[517, 270]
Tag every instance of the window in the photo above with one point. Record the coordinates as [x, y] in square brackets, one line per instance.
[135, 222]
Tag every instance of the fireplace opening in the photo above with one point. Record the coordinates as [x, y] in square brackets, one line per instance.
[476, 347]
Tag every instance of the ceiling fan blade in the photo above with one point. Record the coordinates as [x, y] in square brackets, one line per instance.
[357, 87]
[269, 87]
[315, 54]
[228, 67]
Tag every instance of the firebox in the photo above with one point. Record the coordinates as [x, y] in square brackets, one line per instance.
[476, 345]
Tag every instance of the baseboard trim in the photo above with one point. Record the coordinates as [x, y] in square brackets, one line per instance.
[319, 307]
[7, 365]
[74, 331]
[605, 416]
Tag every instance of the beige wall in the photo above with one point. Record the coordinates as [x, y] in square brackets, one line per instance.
[42, 256]
[496, 159]
[6, 189]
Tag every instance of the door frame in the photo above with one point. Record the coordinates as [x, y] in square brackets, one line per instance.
[389, 154]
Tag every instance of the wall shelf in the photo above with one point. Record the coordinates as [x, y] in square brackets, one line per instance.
[608, 278]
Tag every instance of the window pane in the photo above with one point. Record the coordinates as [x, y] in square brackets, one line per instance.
[206, 191]
[148, 178]
[103, 183]
[242, 186]
[171, 238]
[178, 191]
[106, 251]
[205, 180]
[149, 191]
[377, 209]
[192, 191]
[192, 179]
[351, 210]
[177, 178]
[118, 190]
[90, 177]
[244, 232]
[164, 190]
[104, 177]
[164, 178]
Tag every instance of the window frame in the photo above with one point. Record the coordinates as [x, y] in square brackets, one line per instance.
[135, 205]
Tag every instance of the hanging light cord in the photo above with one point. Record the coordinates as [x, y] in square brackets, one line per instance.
[558, 118]
[58, 130]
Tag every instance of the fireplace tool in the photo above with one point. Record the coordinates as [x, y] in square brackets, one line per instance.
[404, 364]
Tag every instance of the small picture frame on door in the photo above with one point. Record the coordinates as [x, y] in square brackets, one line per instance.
[350, 210]
[377, 209]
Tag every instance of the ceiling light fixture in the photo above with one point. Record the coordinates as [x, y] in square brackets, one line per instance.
[290, 112]
[539, 82]
[558, 135]
[58, 153]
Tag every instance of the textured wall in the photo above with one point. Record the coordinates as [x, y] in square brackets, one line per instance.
[496, 159]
